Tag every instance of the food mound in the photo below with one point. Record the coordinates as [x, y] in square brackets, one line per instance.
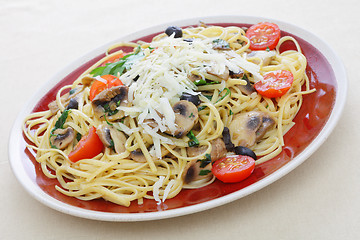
[193, 105]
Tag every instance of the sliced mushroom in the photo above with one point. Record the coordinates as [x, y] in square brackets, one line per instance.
[211, 74]
[65, 99]
[191, 98]
[198, 170]
[61, 138]
[73, 103]
[186, 116]
[224, 75]
[111, 137]
[249, 127]
[245, 89]
[218, 150]
[194, 172]
[107, 101]
[267, 123]
[248, 88]
[138, 156]
[104, 134]
[237, 74]
[221, 44]
[194, 77]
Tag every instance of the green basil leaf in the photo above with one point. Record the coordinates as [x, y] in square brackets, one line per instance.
[62, 119]
[204, 172]
[118, 68]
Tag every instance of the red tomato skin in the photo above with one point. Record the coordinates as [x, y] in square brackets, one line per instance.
[275, 83]
[99, 86]
[263, 35]
[232, 169]
[89, 146]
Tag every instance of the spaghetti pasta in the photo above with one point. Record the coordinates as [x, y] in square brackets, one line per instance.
[150, 128]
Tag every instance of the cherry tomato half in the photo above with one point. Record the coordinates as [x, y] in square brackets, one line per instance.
[99, 86]
[275, 83]
[88, 147]
[263, 35]
[234, 168]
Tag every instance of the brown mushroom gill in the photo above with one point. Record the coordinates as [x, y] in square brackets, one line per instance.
[61, 138]
[107, 101]
[210, 74]
[65, 99]
[249, 127]
[186, 116]
[111, 137]
[192, 172]
[138, 156]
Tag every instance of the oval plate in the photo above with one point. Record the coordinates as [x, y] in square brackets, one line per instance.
[315, 122]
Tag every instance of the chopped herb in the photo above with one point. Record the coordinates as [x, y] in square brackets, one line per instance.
[227, 93]
[208, 97]
[204, 172]
[221, 44]
[193, 140]
[206, 161]
[109, 123]
[109, 111]
[268, 49]
[59, 124]
[72, 91]
[112, 145]
[201, 108]
[78, 137]
[62, 119]
[231, 112]
[201, 82]
[191, 115]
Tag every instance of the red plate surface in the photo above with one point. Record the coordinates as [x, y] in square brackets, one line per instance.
[310, 120]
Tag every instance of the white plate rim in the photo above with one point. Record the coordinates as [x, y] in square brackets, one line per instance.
[35, 191]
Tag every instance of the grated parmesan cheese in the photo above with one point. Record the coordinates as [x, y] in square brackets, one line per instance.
[156, 189]
[162, 77]
[167, 189]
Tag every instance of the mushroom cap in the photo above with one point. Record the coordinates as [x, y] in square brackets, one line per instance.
[218, 150]
[186, 116]
[192, 172]
[111, 98]
[249, 127]
[62, 138]
[111, 137]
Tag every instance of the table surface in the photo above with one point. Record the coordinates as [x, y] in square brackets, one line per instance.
[318, 200]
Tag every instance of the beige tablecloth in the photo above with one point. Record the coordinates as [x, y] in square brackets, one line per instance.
[318, 200]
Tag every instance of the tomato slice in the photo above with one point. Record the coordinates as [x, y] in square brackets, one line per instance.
[99, 86]
[263, 35]
[234, 168]
[88, 147]
[113, 59]
[275, 83]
